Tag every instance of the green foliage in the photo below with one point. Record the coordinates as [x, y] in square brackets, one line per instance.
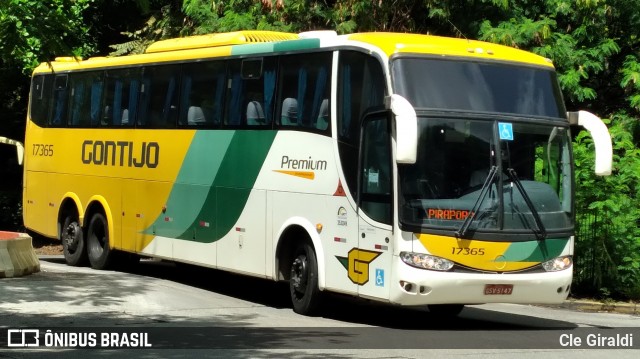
[34, 31]
[10, 210]
[631, 80]
[162, 24]
[615, 200]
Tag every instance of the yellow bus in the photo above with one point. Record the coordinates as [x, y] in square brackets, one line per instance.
[409, 169]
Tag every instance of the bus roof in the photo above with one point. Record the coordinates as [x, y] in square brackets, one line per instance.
[393, 43]
[261, 42]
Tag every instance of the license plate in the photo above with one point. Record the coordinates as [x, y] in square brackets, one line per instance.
[498, 289]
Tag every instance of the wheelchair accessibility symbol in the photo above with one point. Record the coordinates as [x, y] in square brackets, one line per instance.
[379, 277]
[506, 131]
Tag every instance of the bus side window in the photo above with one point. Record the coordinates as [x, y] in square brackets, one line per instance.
[86, 95]
[159, 96]
[122, 90]
[202, 93]
[305, 89]
[251, 90]
[60, 101]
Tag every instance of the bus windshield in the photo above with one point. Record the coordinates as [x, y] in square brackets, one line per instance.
[529, 191]
[477, 86]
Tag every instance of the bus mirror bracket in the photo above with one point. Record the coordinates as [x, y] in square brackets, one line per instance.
[19, 147]
[406, 123]
[601, 139]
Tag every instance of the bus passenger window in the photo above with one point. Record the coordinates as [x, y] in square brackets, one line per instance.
[202, 93]
[304, 81]
[159, 106]
[251, 88]
[60, 99]
[86, 95]
[121, 98]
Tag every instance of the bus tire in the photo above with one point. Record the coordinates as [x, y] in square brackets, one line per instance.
[98, 251]
[73, 241]
[303, 284]
[445, 310]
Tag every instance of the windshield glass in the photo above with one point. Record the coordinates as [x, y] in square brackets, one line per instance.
[477, 86]
[452, 173]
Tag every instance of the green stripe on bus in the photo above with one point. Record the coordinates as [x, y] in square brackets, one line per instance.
[260, 48]
[535, 251]
[194, 182]
[303, 44]
[205, 203]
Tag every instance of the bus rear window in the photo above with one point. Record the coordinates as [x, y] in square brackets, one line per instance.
[478, 86]
[41, 86]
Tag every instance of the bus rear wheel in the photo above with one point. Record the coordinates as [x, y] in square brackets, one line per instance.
[303, 284]
[73, 243]
[98, 251]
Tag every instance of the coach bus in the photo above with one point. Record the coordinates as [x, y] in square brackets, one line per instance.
[409, 169]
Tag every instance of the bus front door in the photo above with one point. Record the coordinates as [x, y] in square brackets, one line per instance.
[375, 208]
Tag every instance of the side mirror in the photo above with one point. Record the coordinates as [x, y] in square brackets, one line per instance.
[19, 147]
[601, 139]
[406, 123]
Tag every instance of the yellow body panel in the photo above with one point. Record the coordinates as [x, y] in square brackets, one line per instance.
[480, 255]
[103, 62]
[214, 40]
[114, 183]
[394, 43]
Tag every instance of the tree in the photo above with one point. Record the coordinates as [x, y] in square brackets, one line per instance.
[33, 31]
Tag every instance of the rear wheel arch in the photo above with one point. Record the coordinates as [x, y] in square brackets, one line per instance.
[99, 204]
[70, 204]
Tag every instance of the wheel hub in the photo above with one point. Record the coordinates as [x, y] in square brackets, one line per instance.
[299, 274]
[71, 236]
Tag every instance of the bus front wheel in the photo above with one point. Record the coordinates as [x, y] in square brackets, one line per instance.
[73, 243]
[303, 284]
[98, 250]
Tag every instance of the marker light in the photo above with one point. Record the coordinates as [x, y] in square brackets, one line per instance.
[557, 264]
[426, 261]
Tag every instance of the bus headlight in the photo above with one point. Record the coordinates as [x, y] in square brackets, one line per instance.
[426, 261]
[557, 264]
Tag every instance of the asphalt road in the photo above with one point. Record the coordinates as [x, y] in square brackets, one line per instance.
[187, 312]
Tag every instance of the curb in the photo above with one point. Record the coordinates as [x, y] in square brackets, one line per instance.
[17, 257]
[595, 306]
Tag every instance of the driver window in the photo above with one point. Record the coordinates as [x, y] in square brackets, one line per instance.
[376, 175]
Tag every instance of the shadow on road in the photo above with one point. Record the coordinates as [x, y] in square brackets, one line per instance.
[338, 307]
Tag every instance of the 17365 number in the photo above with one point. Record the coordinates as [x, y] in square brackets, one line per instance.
[42, 150]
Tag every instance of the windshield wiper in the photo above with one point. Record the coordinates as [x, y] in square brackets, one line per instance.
[462, 231]
[541, 232]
